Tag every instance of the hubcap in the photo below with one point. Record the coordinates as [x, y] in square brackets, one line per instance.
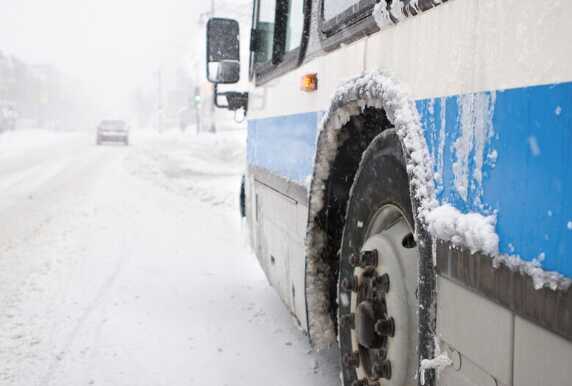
[381, 291]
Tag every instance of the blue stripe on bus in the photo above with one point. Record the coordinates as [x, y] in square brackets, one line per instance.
[528, 185]
[284, 145]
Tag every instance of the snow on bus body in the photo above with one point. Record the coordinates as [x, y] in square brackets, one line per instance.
[503, 156]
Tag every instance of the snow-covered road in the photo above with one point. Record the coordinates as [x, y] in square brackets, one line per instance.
[129, 266]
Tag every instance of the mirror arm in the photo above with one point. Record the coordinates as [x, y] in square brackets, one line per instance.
[235, 100]
[216, 95]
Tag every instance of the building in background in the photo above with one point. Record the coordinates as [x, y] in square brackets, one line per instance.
[39, 95]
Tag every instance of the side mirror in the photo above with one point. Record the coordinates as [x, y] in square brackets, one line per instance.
[225, 71]
[223, 51]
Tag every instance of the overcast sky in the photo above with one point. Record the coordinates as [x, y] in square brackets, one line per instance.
[111, 45]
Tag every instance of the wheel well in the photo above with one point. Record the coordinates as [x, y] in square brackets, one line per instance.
[354, 136]
[360, 109]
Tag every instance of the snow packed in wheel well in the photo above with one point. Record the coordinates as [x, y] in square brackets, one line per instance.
[354, 137]
[368, 103]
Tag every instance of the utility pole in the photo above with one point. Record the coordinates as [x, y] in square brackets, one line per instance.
[159, 100]
[197, 103]
[203, 19]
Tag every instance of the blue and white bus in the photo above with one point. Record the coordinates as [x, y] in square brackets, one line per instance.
[409, 181]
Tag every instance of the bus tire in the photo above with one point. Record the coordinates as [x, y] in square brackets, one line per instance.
[378, 272]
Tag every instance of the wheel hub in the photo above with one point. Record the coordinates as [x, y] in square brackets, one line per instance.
[365, 326]
[382, 317]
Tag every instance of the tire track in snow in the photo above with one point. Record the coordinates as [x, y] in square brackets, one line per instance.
[92, 306]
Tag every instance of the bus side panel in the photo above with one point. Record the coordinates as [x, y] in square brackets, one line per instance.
[508, 153]
[280, 154]
[284, 145]
[281, 146]
[492, 81]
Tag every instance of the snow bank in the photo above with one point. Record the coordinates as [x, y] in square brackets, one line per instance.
[207, 167]
[19, 141]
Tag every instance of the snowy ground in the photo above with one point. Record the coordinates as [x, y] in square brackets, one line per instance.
[129, 266]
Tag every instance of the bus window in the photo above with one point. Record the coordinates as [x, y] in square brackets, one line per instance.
[295, 24]
[265, 31]
[333, 8]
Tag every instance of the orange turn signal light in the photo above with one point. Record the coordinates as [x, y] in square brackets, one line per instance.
[309, 82]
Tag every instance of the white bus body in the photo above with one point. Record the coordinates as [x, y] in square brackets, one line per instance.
[479, 94]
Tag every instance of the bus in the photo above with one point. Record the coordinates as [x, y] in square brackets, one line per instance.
[408, 187]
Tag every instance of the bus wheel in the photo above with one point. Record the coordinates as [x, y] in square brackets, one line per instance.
[377, 302]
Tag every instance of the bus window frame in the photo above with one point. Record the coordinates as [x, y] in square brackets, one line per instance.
[282, 61]
[350, 25]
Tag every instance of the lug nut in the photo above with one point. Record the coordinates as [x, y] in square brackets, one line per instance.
[381, 283]
[349, 321]
[382, 369]
[380, 355]
[350, 283]
[368, 258]
[351, 359]
[354, 260]
[385, 327]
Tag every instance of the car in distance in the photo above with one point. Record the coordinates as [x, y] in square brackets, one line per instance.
[113, 131]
